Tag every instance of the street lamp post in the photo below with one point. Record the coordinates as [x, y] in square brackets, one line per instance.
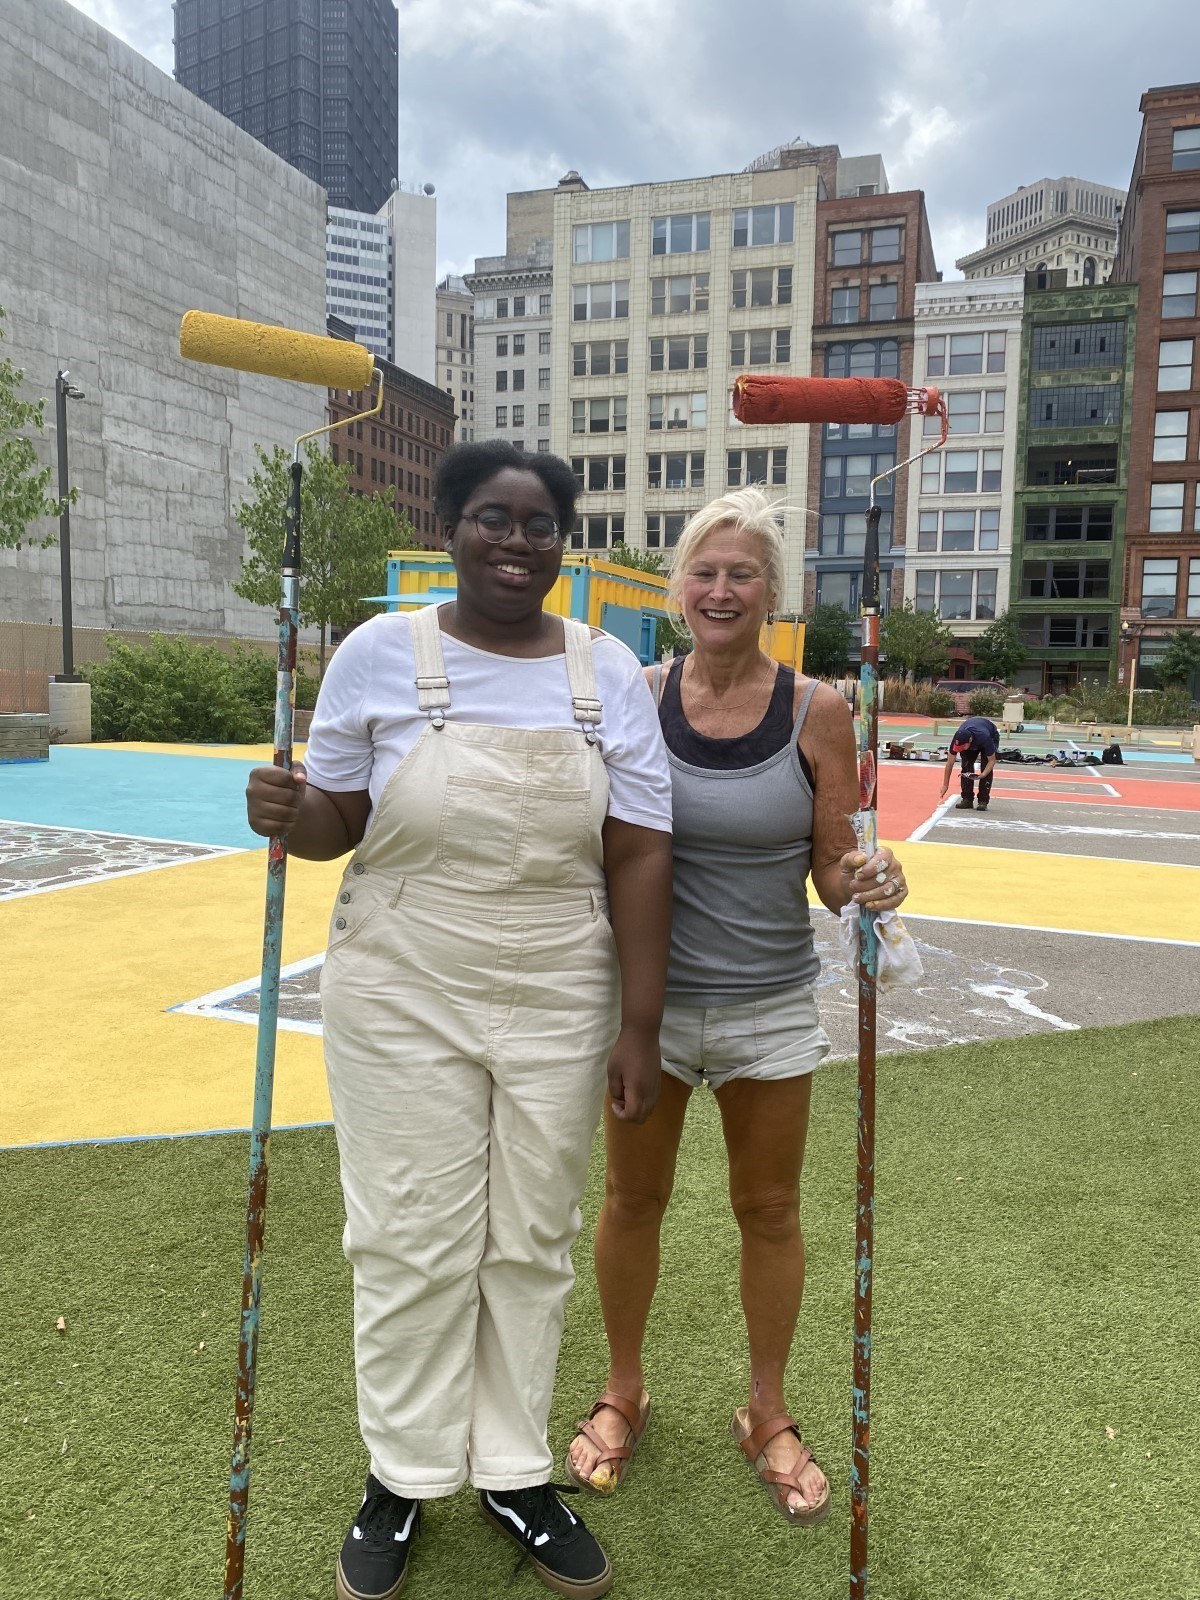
[1131, 632]
[64, 390]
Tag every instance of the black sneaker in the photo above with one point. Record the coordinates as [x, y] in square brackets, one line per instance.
[562, 1552]
[981, 805]
[965, 805]
[373, 1563]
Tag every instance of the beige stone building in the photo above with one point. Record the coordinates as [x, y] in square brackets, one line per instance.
[456, 351]
[1055, 225]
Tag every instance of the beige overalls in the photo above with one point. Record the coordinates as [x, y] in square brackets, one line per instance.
[470, 1000]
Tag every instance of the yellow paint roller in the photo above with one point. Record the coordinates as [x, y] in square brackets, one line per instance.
[275, 352]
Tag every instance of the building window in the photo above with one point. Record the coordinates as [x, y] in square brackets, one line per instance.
[1068, 524]
[1185, 149]
[1075, 344]
[679, 354]
[849, 477]
[675, 470]
[1175, 364]
[543, 377]
[1170, 435]
[663, 529]
[598, 473]
[762, 286]
[838, 589]
[689, 293]
[598, 531]
[544, 342]
[883, 302]
[518, 344]
[543, 447]
[1179, 294]
[885, 244]
[544, 415]
[1160, 580]
[518, 305]
[961, 470]
[966, 353]
[845, 305]
[1065, 580]
[757, 225]
[601, 241]
[543, 305]
[599, 416]
[1166, 508]
[501, 382]
[600, 359]
[518, 378]
[672, 236]
[755, 466]
[501, 344]
[596, 302]
[844, 533]
[847, 248]
[518, 416]
[760, 347]
[502, 416]
[678, 411]
[1080, 406]
[502, 308]
[1183, 231]
[1193, 594]
[867, 358]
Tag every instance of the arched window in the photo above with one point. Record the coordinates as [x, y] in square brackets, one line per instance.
[1089, 269]
[863, 360]
[836, 360]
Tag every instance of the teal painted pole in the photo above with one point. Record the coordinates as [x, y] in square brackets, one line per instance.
[264, 1071]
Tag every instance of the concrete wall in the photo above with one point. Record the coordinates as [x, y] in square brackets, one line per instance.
[126, 201]
[413, 222]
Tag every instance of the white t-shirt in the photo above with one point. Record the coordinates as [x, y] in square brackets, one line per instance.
[367, 718]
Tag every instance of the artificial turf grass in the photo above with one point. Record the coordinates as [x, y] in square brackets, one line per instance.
[1035, 1286]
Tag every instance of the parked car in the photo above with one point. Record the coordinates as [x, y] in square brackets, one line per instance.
[960, 689]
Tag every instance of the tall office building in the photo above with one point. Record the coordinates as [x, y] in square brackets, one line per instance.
[456, 349]
[316, 81]
[1160, 252]
[960, 504]
[1056, 224]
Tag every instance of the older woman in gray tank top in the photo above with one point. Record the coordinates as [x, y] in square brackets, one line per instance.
[764, 781]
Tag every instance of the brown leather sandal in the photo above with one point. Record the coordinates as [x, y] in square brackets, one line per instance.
[753, 1441]
[616, 1456]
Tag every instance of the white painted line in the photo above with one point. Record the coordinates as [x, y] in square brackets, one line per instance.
[1039, 927]
[932, 822]
[215, 1003]
[110, 833]
[1066, 855]
[1055, 830]
[1019, 1000]
[109, 877]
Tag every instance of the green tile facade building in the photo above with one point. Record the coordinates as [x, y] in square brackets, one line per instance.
[1072, 475]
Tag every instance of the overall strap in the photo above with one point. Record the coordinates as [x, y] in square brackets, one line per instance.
[433, 686]
[581, 675]
[803, 711]
[656, 687]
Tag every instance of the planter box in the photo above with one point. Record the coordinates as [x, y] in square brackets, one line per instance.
[25, 736]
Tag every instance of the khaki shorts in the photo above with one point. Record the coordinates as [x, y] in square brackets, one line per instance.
[779, 1036]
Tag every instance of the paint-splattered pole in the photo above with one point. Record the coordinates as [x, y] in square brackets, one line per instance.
[264, 1071]
[864, 1239]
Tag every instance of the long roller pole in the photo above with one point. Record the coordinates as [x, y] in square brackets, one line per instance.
[264, 1071]
[864, 1238]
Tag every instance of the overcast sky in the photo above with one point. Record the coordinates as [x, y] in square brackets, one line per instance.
[965, 100]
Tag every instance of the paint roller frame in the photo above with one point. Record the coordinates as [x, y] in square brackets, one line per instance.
[332, 363]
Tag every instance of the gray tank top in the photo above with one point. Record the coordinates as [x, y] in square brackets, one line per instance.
[743, 848]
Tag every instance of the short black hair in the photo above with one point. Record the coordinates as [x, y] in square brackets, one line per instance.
[465, 466]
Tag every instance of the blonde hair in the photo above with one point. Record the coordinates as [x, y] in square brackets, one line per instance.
[746, 511]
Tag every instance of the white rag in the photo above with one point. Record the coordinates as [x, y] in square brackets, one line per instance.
[899, 961]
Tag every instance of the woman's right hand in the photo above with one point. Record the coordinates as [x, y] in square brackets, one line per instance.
[274, 798]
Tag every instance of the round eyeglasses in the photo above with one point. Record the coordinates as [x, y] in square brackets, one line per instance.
[541, 532]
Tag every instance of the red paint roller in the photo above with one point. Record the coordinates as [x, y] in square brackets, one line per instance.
[776, 401]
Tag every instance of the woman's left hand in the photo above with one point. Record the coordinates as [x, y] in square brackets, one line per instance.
[878, 883]
[634, 1074]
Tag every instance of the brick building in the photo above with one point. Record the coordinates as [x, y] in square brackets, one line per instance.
[872, 249]
[1159, 250]
[400, 448]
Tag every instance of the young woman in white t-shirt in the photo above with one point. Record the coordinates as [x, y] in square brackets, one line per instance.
[497, 959]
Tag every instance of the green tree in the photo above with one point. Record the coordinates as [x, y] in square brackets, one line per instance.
[828, 635]
[999, 650]
[624, 555]
[344, 540]
[23, 481]
[1181, 659]
[916, 641]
